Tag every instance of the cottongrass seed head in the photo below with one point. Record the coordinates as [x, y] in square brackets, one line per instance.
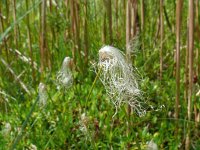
[64, 76]
[32, 147]
[84, 126]
[43, 96]
[152, 146]
[6, 129]
[120, 79]
[134, 44]
[83, 123]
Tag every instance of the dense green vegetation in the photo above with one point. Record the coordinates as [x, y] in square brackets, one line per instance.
[36, 36]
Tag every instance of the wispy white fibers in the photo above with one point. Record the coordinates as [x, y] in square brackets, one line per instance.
[83, 123]
[152, 146]
[64, 76]
[42, 94]
[134, 44]
[32, 147]
[84, 126]
[120, 79]
[6, 130]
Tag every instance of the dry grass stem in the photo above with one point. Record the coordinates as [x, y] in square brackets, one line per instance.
[15, 76]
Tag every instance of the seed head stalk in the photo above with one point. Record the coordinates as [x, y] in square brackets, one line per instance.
[95, 80]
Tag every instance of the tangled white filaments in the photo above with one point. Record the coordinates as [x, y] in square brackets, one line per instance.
[43, 96]
[64, 76]
[83, 123]
[133, 45]
[84, 126]
[120, 80]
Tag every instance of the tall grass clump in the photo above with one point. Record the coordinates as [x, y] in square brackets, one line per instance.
[120, 79]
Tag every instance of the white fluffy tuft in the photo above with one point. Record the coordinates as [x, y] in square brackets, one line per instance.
[64, 76]
[120, 79]
[42, 95]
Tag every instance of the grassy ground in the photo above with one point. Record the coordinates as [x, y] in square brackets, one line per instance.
[72, 118]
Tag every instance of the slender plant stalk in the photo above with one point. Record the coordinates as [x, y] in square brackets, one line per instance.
[108, 6]
[132, 10]
[43, 36]
[1, 24]
[142, 27]
[191, 46]
[128, 57]
[4, 40]
[161, 37]
[178, 27]
[77, 25]
[95, 13]
[86, 32]
[117, 17]
[174, 17]
[30, 42]
[16, 36]
[53, 34]
[50, 5]
[197, 50]
[48, 54]
[95, 80]
[75, 30]
[157, 30]
[124, 4]
[7, 11]
[68, 29]
[134, 20]
[197, 59]
[173, 30]
[186, 79]
[110, 20]
[142, 15]
[67, 5]
[104, 29]
[128, 29]
[167, 18]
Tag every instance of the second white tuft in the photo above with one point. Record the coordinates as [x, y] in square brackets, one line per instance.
[64, 76]
[43, 96]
